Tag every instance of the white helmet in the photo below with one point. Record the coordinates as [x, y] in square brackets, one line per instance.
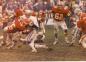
[77, 10]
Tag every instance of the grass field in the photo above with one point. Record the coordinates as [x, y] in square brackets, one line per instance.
[61, 51]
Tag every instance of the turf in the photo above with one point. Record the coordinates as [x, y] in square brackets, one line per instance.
[59, 52]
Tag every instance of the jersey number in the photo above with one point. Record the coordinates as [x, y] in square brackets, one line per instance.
[58, 16]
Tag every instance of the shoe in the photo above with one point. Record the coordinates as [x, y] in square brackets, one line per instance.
[55, 42]
[34, 51]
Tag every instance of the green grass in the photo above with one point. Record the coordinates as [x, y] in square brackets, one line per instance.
[60, 52]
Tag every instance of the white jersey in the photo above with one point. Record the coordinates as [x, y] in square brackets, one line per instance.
[34, 19]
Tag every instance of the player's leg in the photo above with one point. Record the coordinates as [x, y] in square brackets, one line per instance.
[83, 41]
[75, 35]
[65, 29]
[9, 42]
[42, 37]
[41, 46]
[56, 30]
[1, 41]
[42, 26]
[5, 35]
[33, 38]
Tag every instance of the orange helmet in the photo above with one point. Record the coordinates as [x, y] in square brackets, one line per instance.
[18, 12]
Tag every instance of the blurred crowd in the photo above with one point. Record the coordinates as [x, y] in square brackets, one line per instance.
[37, 5]
[9, 6]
